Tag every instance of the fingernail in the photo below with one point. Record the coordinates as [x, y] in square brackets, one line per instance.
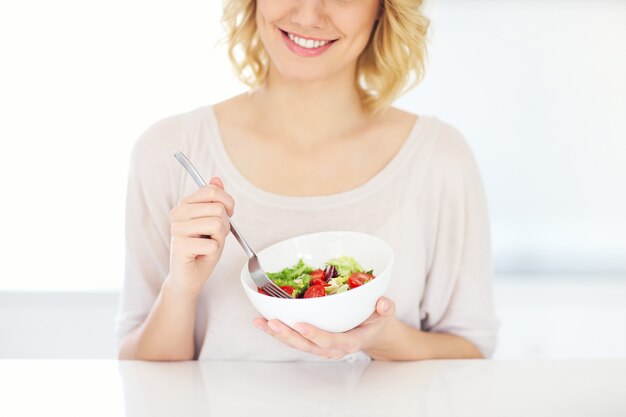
[258, 325]
[273, 327]
[384, 306]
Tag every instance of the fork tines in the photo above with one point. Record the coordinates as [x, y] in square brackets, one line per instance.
[275, 291]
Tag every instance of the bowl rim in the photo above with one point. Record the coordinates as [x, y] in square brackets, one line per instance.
[385, 244]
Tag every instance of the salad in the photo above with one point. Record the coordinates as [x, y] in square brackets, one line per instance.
[338, 275]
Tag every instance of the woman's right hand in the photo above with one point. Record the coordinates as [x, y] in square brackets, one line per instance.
[200, 224]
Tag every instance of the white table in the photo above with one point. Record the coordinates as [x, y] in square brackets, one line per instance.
[532, 388]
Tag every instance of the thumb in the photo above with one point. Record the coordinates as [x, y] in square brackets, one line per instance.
[217, 182]
[385, 307]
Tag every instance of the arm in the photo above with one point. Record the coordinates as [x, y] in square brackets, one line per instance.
[171, 248]
[458, 295]
[199, 228]
[402, 342]
[167, 332]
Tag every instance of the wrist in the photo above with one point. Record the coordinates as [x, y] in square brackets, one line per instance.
[172, 291]
[399, 341]
[383, 346]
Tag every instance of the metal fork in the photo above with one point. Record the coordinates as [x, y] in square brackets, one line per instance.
[254, 267]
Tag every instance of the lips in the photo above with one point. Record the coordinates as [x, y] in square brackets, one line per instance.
[307, 43]
[307, 38]
[305, 46]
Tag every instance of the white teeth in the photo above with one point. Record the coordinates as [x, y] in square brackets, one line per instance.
[306, 43]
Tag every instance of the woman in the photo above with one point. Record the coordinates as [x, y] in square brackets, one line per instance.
[315, 145]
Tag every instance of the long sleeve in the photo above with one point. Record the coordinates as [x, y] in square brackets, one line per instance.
[151, 193]
[458, 291]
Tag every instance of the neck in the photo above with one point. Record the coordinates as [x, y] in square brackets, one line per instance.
[307, 113]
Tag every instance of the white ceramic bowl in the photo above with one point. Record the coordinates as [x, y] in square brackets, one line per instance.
[333, 313]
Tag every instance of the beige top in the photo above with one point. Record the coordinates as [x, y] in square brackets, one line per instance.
[428, 203]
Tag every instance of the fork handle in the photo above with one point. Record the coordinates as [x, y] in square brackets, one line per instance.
[246, 247]
[186, 163]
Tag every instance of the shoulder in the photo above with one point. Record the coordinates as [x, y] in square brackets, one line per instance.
[451, 151]
[448, 146]
[452, 165]
[183, 132]
[171, 132]
[152, 160]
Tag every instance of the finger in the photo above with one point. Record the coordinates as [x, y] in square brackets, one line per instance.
[292, 338]
[213, 227]
[262, 324]
[385, 307]
[334, 354]
[192, 247]
[210, 194]
[197, 210]
[343, 342]
[217, 181]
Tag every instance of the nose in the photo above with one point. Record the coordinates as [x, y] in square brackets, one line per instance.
[309, 13]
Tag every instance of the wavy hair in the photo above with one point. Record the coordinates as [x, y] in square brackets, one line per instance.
[392, 63]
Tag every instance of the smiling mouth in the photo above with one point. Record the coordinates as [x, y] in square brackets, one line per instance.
[307, 43]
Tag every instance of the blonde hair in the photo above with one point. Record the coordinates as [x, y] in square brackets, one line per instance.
[392, 63]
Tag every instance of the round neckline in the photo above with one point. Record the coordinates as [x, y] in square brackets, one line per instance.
[315, 202]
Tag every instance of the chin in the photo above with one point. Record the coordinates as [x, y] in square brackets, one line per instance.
[302, 73]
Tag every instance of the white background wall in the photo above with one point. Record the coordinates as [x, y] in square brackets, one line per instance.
[538, 89]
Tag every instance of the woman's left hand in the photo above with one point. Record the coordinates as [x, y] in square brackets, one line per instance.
[329, 345]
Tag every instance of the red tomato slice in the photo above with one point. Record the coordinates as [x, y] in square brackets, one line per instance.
[318, 274]
[318, 281]
[289, 290]
[315, 291]
[359, 278]
[261, 291]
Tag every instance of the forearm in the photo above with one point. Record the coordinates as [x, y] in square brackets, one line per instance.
[401, 342]
[167, 334]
